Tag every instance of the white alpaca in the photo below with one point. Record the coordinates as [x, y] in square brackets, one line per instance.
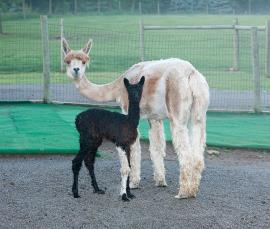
[173, 89]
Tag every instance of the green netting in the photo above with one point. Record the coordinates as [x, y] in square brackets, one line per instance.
[41, 128]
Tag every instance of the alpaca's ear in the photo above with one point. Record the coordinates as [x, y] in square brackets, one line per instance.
[126, 82]
[142, 81]
[87, 47]
[66, 48]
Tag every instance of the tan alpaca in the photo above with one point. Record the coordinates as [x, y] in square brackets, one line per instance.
[173, 89]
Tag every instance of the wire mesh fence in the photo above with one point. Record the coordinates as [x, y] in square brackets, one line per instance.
[211, 52]
[113, 52]
[21, 63]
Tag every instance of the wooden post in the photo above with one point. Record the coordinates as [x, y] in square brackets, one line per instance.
[141, 40]
[46, 58]
[98, 6]
[255, 69]
[75, 6]
[267, 49]
[62, 66]
[1, 26]
[119, 6]
[236, 46]
[23, 9]
[50, 7]
[140, 7]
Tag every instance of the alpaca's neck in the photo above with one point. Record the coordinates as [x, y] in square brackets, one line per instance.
[134, 113]
[100, 93]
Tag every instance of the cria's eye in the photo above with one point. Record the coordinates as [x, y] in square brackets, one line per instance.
[67, 62]
[83, 62]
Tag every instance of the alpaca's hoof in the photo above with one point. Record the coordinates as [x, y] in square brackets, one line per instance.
[124, 197]
[131, 196]
[161, 183]
[184, 196]
[76, 195]
[99, 191]
[134, 185]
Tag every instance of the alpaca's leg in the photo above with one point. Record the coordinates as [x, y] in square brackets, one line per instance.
[89, 162]
[183, 149]
[125, 170]
[200, 91]
[135, 161]
[179, 101]
[157, 151]
[77, 163]
[198, 128]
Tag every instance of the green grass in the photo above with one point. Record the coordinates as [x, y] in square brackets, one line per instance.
[116, 47]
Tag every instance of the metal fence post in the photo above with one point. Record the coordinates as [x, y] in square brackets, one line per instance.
[46, 58]
[255, 69]
[267, 49]
[141, 40]
[236, 46]
[62, 67]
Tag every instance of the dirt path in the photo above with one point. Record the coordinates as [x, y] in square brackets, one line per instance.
[36, 193]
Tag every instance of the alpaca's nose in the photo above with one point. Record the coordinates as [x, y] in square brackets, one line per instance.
[76, 70]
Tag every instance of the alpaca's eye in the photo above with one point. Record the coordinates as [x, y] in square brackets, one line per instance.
[83, 62]
[67, 62]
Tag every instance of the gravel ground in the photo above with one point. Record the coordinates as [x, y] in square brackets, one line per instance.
[36, 193]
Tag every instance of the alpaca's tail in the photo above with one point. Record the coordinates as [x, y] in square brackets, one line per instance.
[200, 93]
[78, 122]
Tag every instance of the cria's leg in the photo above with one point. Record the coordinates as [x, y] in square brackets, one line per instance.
[129, 194]
[124, 173]
[76, 166]
[89, 162]
[77, 162]
[157, 151]
[135, 161]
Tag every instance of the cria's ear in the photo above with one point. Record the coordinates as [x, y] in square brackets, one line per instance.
[88, 47]
[66, 48]
[142, 81]
[126, 82]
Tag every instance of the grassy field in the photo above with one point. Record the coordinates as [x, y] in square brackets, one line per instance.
[116, 47]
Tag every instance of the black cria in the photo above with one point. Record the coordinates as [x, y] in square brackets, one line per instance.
[94, 125]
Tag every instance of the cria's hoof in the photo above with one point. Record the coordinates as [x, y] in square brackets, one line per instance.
[76, 195]
[99, 191]
[131, 196]
[124, 197]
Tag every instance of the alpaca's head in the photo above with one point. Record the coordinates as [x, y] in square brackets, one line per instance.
[134, 90]
[76, 60]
